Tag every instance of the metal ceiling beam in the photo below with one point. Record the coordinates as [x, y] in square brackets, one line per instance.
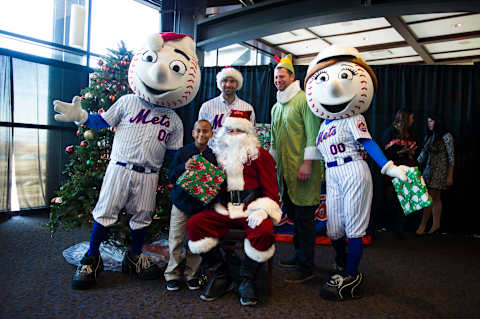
[407, 34]
[277, 16]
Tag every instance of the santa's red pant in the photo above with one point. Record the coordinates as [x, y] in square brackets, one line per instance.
[206, 228]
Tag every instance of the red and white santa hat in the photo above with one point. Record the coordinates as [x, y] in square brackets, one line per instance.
[180, 41]
[238, 119]
[232, 72]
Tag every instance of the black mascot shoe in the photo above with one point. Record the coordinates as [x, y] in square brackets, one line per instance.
[343, 287]
[86, 274]
[246, 290]
[140, 266]
[218, 286]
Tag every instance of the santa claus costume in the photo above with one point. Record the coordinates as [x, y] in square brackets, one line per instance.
[250, 201]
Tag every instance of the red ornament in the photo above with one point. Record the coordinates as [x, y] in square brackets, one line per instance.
[83, 143]
[79, 132]
[69, 149]
[100, 111]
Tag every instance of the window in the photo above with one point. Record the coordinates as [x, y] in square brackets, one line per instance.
[236, 55]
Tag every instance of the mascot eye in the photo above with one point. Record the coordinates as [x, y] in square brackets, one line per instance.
[178, 66]
[149, 56]
[345, 75]
[321, 76]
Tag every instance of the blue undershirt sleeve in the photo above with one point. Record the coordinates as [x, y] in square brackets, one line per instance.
[374, 151]
[96, 121]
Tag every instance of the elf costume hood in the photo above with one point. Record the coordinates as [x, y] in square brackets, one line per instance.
[165, 71]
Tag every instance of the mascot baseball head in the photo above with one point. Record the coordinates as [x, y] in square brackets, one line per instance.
[165, 71]
[339, 83]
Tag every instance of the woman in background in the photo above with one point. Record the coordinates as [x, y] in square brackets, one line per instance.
[438, 155]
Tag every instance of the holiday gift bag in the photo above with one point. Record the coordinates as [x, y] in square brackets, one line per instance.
[412, 194]
[204, 181]
[263, 134]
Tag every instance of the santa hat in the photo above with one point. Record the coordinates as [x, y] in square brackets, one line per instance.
[285, 63]
[178, 41]
[229, 71]
[239, 120]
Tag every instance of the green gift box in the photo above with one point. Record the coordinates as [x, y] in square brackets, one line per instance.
[263, 134]
[204, 181]
[412, 194]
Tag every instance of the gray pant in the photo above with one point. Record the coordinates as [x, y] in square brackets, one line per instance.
[179, 250]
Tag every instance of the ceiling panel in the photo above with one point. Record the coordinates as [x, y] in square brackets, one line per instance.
[456, 54]
[454, 45]
[367, 38]
[389, 53]
[397, 61]
[289, 36]
[349, 26]
[305, 47]
[446, 26]
[421, 17]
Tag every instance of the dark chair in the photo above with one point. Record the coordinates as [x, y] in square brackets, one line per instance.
[233, 240]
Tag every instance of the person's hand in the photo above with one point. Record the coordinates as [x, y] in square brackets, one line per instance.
[449, 181]
[393, 170]
[70, 112]
[189, 165]
[304, 171]
[256, 218]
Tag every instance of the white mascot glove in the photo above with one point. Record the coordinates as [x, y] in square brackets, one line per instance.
[256, 218]
[393, 170]
[70, 112]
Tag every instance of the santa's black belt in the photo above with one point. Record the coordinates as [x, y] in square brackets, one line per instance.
[239, 197]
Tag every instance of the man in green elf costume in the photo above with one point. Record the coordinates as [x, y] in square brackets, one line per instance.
[300, 175]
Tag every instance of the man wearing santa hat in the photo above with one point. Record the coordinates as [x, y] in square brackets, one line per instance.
[229, 81]
[250, 201]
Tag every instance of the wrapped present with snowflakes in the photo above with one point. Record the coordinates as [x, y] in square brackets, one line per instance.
[412, 194]
[263, 134]
[204, 181]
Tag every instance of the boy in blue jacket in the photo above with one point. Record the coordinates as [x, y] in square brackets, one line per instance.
[184, 206]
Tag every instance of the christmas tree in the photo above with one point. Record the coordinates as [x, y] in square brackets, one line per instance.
[77, 196]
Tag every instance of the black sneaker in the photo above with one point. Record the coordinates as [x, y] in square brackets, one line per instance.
[288, 263]
[193, 284]
[140, 266]
[86, 274]
[345, 287]
[218, 286]
[173, 285]
[246, 290]
[297, 277]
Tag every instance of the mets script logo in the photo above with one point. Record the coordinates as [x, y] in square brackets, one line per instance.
[323, 135]
[143, 117]
[362, 127]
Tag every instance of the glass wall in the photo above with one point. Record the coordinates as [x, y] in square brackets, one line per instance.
[236, 55]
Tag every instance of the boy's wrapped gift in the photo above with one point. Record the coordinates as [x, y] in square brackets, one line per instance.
[412, 194]
[263, 134]
[204, 181]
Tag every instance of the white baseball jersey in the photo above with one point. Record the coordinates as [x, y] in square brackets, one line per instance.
[216, 110]
[143, 131]
[349, 184]
[143, 134]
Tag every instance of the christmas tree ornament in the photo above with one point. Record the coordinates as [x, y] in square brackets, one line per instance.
[83, 143]
[88, 95]
[89, 135]
[69, 149]
[58, 200]
[89, 162]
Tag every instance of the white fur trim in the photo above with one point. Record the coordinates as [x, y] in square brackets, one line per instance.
[312, 153]
[269, 205]
[238, 123]
[289, 93]
[203, 245]
[236, 211]
[257, 255]
[273, 152]
[226, 72]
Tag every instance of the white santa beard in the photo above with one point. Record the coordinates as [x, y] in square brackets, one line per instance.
[233, 151]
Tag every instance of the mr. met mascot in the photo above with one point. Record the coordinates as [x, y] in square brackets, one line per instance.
[339, 86]
[163, 75]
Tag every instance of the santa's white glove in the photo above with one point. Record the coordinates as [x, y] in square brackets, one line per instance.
[393, 170]
[70, 112]
[256, 218]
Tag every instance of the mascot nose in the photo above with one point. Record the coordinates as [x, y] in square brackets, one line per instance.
[159, 73]
[335, 88]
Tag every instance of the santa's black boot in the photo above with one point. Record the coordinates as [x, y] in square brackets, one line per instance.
[247, 289]
[220, 282]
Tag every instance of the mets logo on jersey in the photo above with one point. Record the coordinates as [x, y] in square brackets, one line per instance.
[362, 127]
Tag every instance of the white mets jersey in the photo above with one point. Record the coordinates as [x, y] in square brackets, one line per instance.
[143, 131]
[216, 110]
[338, 138]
